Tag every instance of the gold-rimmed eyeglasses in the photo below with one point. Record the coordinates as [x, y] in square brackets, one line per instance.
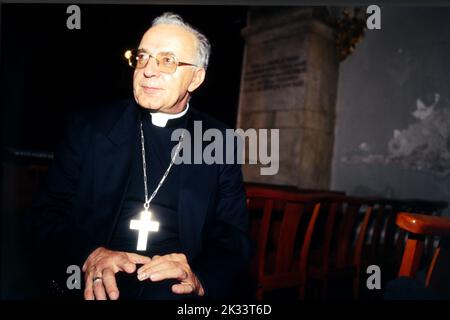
[165, 61]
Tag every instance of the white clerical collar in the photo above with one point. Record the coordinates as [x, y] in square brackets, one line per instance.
[160, 119]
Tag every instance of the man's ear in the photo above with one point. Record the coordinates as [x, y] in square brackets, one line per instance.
[197, 80]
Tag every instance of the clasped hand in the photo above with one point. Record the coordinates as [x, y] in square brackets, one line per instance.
[102, 265]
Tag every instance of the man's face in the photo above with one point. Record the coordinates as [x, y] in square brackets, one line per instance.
[165, 92]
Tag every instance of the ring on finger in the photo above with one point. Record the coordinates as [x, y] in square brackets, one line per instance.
[97, 279]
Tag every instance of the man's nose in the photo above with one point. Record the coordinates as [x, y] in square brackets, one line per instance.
[151, 69]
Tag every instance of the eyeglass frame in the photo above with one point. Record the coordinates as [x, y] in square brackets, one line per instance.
[129, 53]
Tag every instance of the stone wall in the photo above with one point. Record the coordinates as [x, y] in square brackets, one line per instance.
[289, 82]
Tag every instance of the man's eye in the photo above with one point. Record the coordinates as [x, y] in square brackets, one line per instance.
[142, 56]
[168, 60]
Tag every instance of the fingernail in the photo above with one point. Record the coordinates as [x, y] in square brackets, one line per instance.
[142, 276]
[113, 295]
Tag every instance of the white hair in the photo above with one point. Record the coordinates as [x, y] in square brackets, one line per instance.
[203, 45]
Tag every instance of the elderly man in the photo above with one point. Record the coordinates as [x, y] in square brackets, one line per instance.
[115, 203]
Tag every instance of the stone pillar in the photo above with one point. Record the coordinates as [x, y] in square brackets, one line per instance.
[289, 81]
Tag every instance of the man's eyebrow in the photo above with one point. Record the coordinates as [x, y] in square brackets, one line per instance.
[168, 52]
[163, 52]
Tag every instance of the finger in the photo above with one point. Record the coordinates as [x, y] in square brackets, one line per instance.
[155, 266]
[172, 273]
[138, 259]
[171, 256]
[99, 290]
[109, 282]
[156, 260]
[91, 259]
[87, 265]
[91, 270]
[177, 257]
[125, 264]
[183, 288]
[161, 262]
[88, 290]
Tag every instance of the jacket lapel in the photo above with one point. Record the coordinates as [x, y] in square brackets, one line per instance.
[113, 155]
[195, 191]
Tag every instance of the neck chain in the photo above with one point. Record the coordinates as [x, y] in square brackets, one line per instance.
[144, 165]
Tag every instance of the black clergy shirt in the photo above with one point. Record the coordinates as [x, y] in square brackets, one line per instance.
[158, 147]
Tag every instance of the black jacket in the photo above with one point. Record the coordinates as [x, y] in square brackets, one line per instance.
[76, 209]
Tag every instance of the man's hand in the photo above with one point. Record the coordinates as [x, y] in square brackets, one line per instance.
[100, 269]
[172, 266]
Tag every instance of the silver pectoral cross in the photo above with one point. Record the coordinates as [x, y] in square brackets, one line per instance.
[144, 225]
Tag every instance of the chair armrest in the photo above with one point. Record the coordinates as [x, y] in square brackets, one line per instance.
[424, 225]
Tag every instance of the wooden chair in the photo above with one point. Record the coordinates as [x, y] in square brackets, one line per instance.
[380, 246]
[418, 227]
[339, 249]
[282, 224]
[385, 242]
[425, 207]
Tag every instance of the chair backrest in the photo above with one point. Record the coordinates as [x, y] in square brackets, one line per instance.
[338, 243]
[282, 225]
[420, 226]
[343, 230]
